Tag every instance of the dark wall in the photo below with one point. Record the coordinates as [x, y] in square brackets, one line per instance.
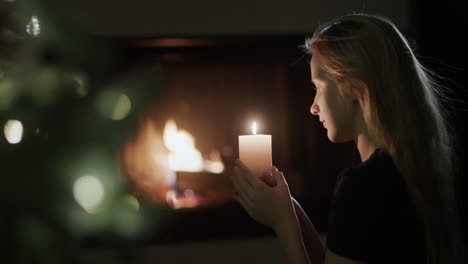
[149, 18]
[440, 29]
[437, 31]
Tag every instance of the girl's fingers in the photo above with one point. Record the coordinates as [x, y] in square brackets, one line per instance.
[237, 198]
[235, 183]
[269, 179]
[251, 179]
[240, 185]
[243, 182]
[278, 175]
[243, 201]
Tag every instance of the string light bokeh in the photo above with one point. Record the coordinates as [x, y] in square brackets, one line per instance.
[64, 116]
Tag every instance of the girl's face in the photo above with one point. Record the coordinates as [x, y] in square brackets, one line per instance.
[335, 109]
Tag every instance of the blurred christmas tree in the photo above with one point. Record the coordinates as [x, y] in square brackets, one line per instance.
[64, 114]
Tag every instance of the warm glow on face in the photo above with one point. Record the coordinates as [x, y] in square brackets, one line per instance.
[13, 130]
[88, 192]
[183, 155]
[254, 128]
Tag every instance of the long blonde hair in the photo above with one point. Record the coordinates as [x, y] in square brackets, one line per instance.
[401, 107]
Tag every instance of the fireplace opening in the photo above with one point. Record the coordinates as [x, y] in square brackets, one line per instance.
[185, 145]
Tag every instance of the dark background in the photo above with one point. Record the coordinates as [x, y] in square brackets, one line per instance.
[262, 34]
[270, 33]
[434, 29]
[438, 31]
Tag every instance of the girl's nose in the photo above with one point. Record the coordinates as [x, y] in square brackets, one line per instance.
[314, 109]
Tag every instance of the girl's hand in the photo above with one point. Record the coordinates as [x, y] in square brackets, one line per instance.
[267, 200]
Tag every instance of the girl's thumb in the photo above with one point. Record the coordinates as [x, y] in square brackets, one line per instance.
[278, 176]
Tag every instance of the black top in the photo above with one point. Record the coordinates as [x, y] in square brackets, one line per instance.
[372, 217]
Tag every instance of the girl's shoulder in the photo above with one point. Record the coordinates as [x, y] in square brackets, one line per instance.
[376, 175]
[379, 166]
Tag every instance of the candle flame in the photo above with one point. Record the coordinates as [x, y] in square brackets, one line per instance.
[254, 128]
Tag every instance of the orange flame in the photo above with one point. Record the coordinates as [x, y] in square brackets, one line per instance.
[183, 155]
[152, 160]
[146, 163]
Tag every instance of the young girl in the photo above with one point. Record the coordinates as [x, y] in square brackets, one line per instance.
[397, 206]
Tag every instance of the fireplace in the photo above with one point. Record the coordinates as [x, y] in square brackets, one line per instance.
[186, 142]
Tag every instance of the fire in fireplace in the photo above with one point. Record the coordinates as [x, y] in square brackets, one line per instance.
[213, 88]
[168, 168]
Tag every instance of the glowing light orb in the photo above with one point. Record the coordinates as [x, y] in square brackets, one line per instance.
[88, 192]
[132, 201]
[13, 130]
[33, 27]
[113, 105]
[122, 107]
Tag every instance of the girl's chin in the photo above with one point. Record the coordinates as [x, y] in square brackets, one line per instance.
[337, 138]
[331, 137]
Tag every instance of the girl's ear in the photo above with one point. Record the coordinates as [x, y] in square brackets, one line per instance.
[359, 90]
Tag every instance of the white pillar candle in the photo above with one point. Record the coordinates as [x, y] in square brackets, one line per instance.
[255, 152]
